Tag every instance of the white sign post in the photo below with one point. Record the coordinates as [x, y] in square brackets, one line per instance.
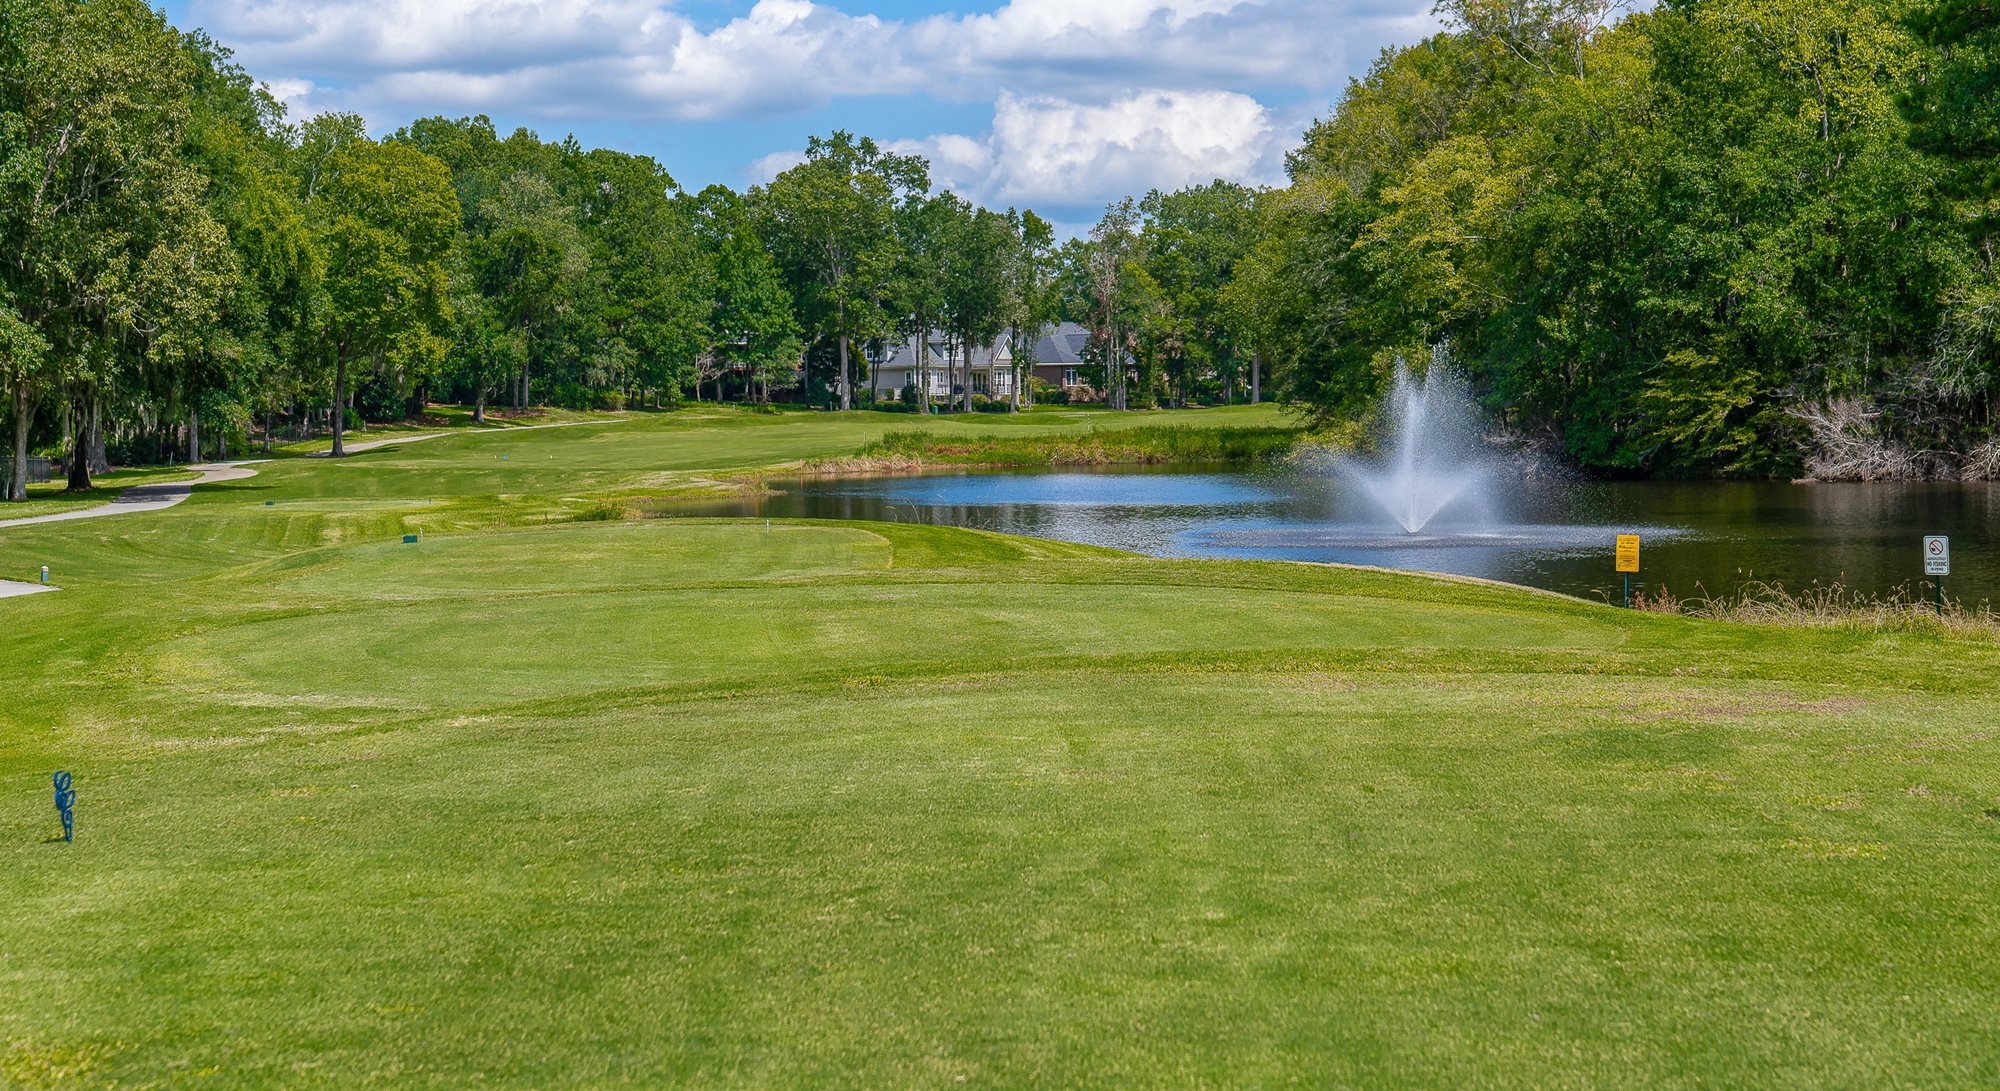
[1937, 563]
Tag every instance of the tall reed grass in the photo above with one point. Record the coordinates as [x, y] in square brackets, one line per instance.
[1832, 606]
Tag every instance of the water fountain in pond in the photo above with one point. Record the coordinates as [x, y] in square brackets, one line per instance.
[1434, 459]
[1433, 494]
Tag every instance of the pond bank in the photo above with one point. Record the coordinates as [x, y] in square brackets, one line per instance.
[916, 450]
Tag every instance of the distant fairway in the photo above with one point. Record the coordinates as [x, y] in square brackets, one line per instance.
[709, 803]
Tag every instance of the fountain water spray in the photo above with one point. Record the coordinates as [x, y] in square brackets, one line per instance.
[1435, 458]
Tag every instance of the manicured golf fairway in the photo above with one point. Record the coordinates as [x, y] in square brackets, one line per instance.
[720, 804]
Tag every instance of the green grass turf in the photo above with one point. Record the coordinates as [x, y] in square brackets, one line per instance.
[439, 419]
[669, 453]
[719, 804]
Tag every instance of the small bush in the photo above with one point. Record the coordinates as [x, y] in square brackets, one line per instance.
[612, 400]
[566, 394]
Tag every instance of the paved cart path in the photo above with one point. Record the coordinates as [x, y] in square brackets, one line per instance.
[371, 444]
[10, 588]
[140, 498]
[159, 497]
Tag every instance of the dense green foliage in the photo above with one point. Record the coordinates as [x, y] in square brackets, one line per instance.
[1158, 283]
[1747, 237]
[186, 271]
[1698, 239]
[718, 804]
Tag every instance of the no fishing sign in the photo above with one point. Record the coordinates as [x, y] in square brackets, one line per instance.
[1937, 555]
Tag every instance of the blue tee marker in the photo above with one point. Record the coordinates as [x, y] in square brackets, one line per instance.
[65, 805]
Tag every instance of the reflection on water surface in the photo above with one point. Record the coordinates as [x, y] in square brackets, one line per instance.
[1715, 535]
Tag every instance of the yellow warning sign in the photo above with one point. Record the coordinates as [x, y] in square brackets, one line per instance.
[1628, 553]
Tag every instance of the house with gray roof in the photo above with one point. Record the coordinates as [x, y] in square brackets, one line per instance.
[1059, 358]
[1058, 362]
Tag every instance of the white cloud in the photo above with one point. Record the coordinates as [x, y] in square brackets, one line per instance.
[642, 59]
[1067, 46]
[962, 164]
[1046, 151]
[296, 94]
[1091, 98]
[389, 35]
[1055, 151]
[766, 167]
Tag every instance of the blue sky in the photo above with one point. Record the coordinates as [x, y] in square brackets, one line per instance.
[1058, 105]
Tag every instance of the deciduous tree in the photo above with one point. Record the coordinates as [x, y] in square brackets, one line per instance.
[386, 218]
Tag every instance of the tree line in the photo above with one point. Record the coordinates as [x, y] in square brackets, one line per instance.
[182, 267]
[1749, 237]
[1735, 237]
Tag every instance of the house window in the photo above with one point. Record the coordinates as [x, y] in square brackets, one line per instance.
[979, 382]
[1070, 378]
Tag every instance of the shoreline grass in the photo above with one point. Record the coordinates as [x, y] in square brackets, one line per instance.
[1830, 606]
[919, 449]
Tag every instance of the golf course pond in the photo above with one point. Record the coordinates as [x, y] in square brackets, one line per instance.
[1698, 538]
